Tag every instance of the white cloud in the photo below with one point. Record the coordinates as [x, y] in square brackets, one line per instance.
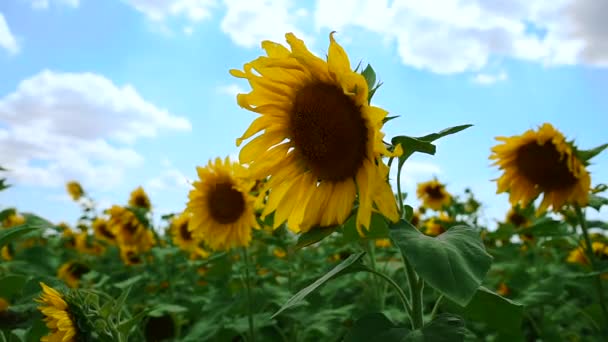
[159, 10]
[169, 178]
[231, 89]
[44, 4]
[61, 126]
[488, 79]
[248, 22]
[450, 36]
[7, 40]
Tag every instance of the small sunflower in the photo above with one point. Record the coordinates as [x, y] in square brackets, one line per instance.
[102, 231]
[129, 230]
[130, 255]
[57, 316]
[433, 194]
[74, 190]
[516, 218]
[279, 253]
[13, 220]
[415, 221]
[71, 273]
[383, 243]
[321, 141]
[437, 225]
[221, 205]
[544, 162]
[183, 238]
[140, 199]
[3, 305]
[7, 253]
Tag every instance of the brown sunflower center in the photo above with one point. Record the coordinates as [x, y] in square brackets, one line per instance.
[78, 270]
[140, 201]
[329, 131]
[226, 204]
[517, 219]
[543, 166]
[104, 231]
[184, 232]
[130, 227]
[435, 192]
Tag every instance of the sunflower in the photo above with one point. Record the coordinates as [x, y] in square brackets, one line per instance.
[183, 238]
[13, 220]
[578, 256]
[57, 316]
[321, 142]
[74, 190]
[129, 230]
[437, 225]
[71, 272]
[415, 221]
[383, 243]
[433, 194]
[544, 162]
[3, 305]
[221, 206]
[6, 253]
[130, 255]
[102, 231]
[516, 218]
[140, 199]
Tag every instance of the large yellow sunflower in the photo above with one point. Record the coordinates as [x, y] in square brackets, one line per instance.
[321, 140]
[57, 316]
[140, 199]
[433, 194]
[71, 272]
[74, 190]
[538, 162]
[221, 205]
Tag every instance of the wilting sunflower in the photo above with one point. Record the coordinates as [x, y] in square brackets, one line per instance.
[321, 141]
[102, 231]
[221, 206]
[57, 316]
[183, 238]
[71, 273]
[129, 230]
[433, 194]
[140, 199]
[538, 162]
[75, 190]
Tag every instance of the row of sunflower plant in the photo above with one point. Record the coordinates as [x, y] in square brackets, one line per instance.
[305, 239]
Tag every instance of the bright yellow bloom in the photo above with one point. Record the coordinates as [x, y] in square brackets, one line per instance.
[74, 190]
[321, 139]
[129, 230]
[433, 194]
[279, 252]
[6, 253]
[3, 305]
[71, 272]
[221, 205]
[437, 225]
[579, 256]
[57, 316]
[383, 243]
[183, 238]
[130, 255]
[140, 199]
[13, 220]
[538, 162]
[102, 231]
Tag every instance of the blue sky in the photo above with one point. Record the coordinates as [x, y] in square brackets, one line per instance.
[122, 93]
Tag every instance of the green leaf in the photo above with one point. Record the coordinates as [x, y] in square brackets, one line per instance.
[586, 155]
[314, 235]
[372, 92]
[8, 235]
[161, 309]
[378, 229]
[597, 224]
[455, 262]
[499, 313]
[434, 136]
[596, 202]
[299, 297]
[547, 227]
[411, 144]
[370, 76]
[375, 327]
[389, 118]
[129, 282]
[12, 284]
[444, 328]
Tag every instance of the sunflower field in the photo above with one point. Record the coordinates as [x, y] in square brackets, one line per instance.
[304, 238]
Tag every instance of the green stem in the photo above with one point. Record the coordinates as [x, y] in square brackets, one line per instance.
[372, 256]
[591, 256]
[399, 195]
[250, 302]
[404, 300]
[436, 306]
[416, 287]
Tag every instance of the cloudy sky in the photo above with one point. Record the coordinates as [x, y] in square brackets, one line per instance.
[122, 93]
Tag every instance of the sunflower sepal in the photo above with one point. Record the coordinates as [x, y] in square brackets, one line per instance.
[597, 202]
[586, 155]
[370, 78]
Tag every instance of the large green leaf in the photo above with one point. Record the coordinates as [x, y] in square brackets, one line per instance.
[376, 327]
[299, 297]
[455, 262]
[499, 313]
[8, 235]
[444, 328]
[548, 227]
[596, 202]
[12, 284]
[314, 235]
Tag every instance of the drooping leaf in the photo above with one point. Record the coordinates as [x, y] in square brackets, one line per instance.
[314, 235]
[8, 235]
[376, 327]
[548, 227]
[454, 263]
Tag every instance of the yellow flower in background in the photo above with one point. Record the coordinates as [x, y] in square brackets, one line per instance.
[383, 243]
[433, 194]
[3, 305]
[6, 253]
[101, 229]
[57, 316]
[13, 220]
[183, 238]
[415, 221]
[503, 290]
[74, 190]
[321, 139]
[577, 256]
[221, 205]
[129, 230]
[140, 199]
[541, 162]
[279, 253]
[130, 255]
[516, 218]
[71, 272]
[437, 225]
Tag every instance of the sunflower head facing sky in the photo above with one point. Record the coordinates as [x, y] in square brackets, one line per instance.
[74, 190]
[58, 317]
[321, 144]
[433, 194]
[221, 205]
[139, 199]
[541, 162]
